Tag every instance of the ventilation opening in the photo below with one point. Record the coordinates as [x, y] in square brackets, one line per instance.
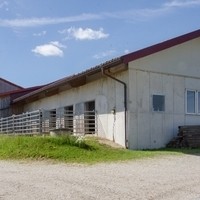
[52, 119]
[68, 118]
[89, 116]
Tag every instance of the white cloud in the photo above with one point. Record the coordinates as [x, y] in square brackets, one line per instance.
[182, 3]
[33, 22]
[40, 34]
[63, 31]
[126, 51]
[86, 34]
[104, 54]
[57, 44]
[132, 14]
[50, 49]
[148, 13]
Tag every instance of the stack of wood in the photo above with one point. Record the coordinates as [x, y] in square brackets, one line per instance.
[188, 136]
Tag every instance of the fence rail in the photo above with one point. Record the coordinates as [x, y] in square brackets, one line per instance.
[29, 122]
[44, 121]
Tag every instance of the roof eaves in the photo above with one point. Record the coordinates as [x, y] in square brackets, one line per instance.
[73, 77]
[10, 92]
[19, 91]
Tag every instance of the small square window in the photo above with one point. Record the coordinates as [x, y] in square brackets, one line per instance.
[158, 103]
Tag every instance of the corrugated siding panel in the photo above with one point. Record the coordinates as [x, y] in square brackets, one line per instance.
[5, 106]
[6, 87]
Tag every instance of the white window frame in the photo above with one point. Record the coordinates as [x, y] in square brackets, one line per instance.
[196, 98]
[159, 111]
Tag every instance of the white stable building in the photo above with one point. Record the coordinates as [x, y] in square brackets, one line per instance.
[139, 99]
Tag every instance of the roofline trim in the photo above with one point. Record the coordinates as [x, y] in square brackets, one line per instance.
[96, 69]
[19, 90]
[160, 46]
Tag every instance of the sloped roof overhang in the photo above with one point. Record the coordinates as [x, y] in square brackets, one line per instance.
[73, 81]
[19, 91]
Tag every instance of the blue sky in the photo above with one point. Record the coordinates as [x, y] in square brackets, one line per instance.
[45, 40]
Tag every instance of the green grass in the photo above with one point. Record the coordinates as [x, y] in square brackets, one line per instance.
[68, 149]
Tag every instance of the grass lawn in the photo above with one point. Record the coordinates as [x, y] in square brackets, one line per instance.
[70, 149]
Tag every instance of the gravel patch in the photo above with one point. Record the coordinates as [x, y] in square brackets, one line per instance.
[169, 178]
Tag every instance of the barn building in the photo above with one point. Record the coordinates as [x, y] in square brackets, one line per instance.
[138, 99]
[6, 90]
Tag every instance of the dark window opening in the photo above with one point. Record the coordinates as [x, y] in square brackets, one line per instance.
[190, 101]
[68, 117]
[158, 103]
[89, 117]
[52, 119]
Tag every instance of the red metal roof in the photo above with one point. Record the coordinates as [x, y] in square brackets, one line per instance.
[161, 46]
[59, 82]
[20, 92]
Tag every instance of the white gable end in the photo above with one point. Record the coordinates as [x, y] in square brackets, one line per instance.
[183, 59]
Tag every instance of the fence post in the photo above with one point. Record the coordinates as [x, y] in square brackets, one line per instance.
[7, 126]
[13, 123]
[1, 124]
[40, 121]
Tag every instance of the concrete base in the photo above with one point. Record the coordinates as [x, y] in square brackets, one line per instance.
[58, 132]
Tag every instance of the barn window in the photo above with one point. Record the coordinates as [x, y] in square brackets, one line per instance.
[158, 103]
[68, 117]
[52, 119]
[192, 102]
[198, 102]
[89, 117]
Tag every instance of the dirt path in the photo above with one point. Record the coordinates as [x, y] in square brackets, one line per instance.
[172, 177]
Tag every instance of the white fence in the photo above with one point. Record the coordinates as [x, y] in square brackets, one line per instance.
[44, 121]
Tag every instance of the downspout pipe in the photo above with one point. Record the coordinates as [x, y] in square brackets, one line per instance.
[125, 103]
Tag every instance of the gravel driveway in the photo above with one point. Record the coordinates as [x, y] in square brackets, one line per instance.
[171, 177]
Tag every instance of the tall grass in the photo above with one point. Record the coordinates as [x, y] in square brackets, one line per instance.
[67, 149]
[19, 147]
